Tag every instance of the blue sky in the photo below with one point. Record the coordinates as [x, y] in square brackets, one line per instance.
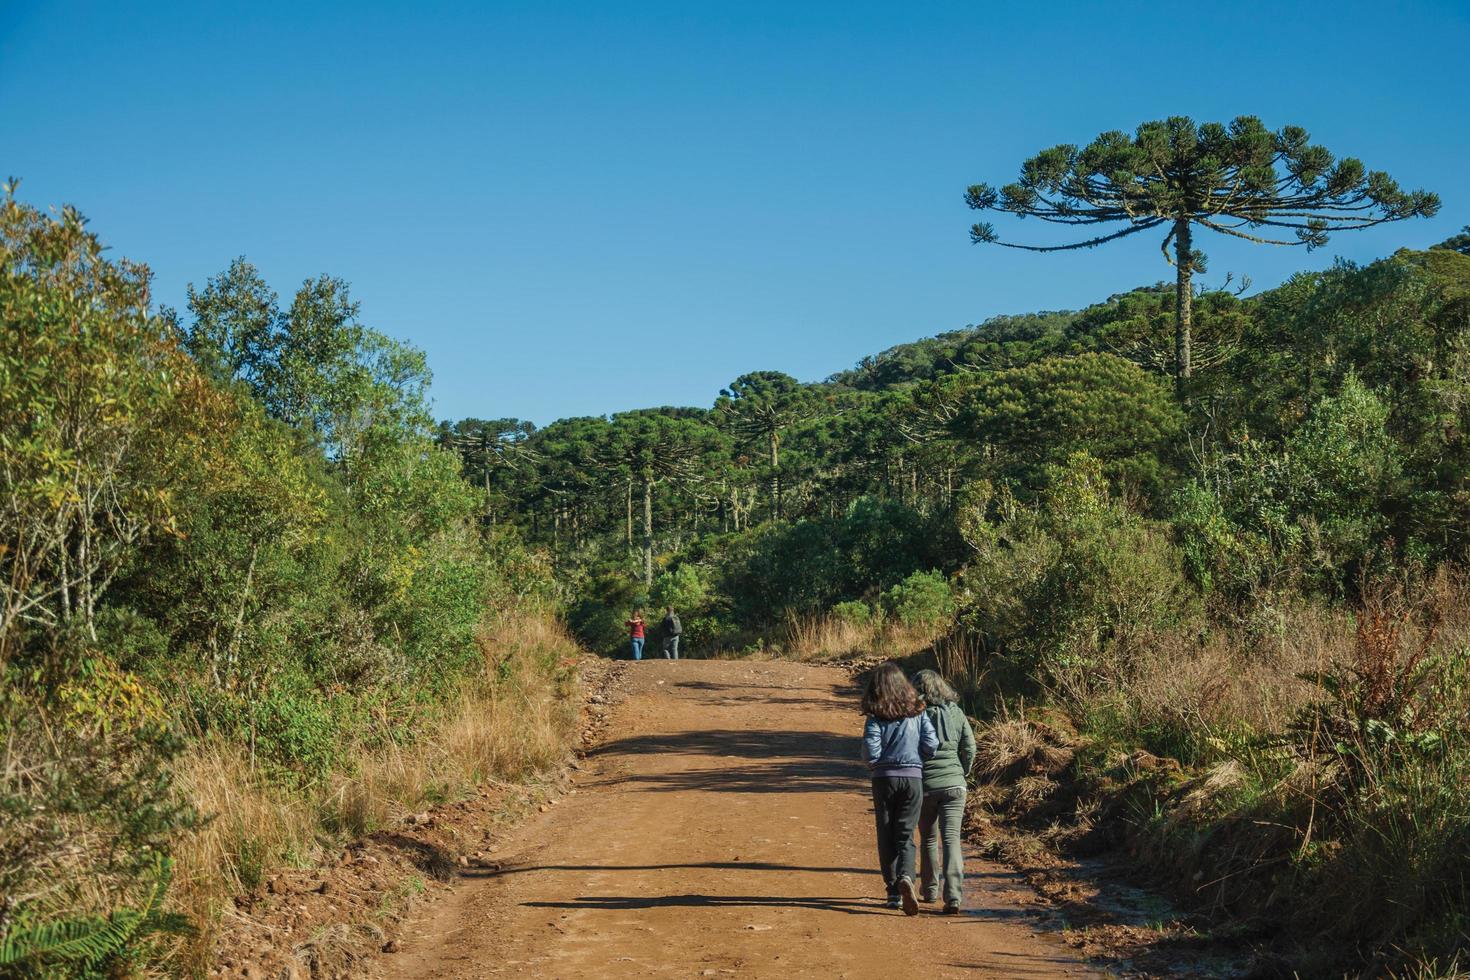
[584, 208]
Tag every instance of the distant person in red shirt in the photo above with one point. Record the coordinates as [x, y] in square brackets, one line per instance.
[635, 626]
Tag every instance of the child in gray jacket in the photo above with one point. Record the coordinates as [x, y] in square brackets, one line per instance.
[897, 739]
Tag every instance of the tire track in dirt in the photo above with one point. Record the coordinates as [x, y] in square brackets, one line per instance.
[723, 828]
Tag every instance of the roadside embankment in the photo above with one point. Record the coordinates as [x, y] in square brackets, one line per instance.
[293, 881]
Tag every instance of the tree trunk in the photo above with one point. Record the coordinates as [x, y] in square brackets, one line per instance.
[1183, 298]
[85, 563]
[232, 657]
[647, 532]
[63, 552]
[628, 488]
[776, 475]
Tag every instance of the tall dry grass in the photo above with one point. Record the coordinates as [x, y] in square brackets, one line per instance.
[517, 719]
[1324, 782]
[828, 637]
[961, 659]
[1384, 652]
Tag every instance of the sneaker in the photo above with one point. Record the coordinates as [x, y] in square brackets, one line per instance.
[906, 894]
[951, 908]
[894, 902]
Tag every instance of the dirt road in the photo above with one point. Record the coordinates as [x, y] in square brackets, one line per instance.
[722, 829]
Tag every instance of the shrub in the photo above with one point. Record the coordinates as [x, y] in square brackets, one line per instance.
[684, 588]
[1040, 414]
[99, 408]
[921, 600]
[805, 567]
[706, 635]
[1264, 519]
[89, 813]
[853, 613]
[1059, 582]
[292, 725]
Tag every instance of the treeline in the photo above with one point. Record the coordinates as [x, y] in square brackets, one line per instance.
[230, 548]
[1319, 430]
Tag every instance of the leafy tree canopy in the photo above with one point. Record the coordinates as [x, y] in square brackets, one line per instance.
[1043, 413]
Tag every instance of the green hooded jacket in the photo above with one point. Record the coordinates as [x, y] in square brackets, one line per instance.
[951, 764]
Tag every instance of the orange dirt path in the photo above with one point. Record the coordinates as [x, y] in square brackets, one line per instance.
[723, 828]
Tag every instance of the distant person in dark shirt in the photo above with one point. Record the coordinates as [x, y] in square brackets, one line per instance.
[672, 630]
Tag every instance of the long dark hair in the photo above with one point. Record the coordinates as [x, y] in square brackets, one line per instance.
[889, 695]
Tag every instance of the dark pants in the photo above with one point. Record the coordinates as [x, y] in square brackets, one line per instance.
[896, 803]
[671, 648]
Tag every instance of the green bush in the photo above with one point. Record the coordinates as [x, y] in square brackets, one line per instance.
[1304, 514]
[806, 566]
[853, 613]
[294, 726]
[704, 635]
[99, 412]
[1060, 582]
[923, 599]
[1040, 414]
[684, 588]
[87, 814]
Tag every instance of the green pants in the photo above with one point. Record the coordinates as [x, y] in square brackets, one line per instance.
[941, 815]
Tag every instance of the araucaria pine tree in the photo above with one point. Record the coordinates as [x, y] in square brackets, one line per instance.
[1241, 180]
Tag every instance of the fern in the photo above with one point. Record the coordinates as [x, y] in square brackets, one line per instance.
[74, 941]
[86, 945]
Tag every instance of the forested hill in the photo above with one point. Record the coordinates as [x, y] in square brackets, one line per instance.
[775, 475]
[953, 350]
[241, 554]
[1005, 401]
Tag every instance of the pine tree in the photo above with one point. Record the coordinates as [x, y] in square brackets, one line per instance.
[1240, 180]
